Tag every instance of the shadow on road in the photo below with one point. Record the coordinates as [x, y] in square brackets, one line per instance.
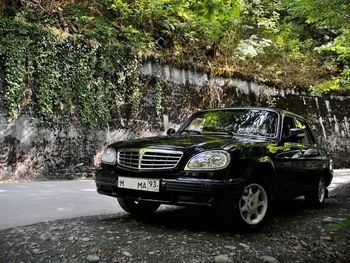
[175, 234]
[216, 220]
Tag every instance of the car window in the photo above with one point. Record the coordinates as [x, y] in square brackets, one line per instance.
[288, 123]
[308, 137]
[242, 122]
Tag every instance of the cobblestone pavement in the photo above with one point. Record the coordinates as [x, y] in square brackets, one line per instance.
[295, 233]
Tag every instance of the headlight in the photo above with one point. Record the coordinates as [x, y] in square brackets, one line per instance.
[109, 156]
[210, 160]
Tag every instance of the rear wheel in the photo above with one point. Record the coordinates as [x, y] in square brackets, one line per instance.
[252, 208]
[138, 208]
[317, 197]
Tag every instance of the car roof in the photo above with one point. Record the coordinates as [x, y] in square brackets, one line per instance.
[280, 111]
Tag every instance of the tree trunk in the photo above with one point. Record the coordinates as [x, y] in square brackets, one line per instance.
[62, 21]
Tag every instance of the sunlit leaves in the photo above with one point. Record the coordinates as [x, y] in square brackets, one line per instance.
[332, 17]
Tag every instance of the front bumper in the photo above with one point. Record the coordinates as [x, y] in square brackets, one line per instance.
[176, 191]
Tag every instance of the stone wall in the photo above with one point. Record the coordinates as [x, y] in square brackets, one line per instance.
[29, 151]
[188, 90]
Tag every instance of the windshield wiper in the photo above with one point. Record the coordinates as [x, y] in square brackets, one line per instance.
[219, 131]
[228, 132]
[191, 131]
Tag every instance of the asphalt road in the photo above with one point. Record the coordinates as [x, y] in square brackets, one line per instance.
[28, 203]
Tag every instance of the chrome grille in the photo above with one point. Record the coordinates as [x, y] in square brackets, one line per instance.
[148, 159]
[128, 158]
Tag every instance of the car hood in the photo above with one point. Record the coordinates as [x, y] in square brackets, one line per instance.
[199, 142]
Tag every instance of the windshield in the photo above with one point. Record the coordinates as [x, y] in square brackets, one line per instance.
[250, 122]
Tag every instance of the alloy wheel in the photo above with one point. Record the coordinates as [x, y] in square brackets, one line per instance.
[253, 204]
[321, 190]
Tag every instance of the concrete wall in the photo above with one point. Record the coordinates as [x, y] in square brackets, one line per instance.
[189, 90]
[30, 151]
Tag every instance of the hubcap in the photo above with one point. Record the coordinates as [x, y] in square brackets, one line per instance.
[321, 190]
[253, 204]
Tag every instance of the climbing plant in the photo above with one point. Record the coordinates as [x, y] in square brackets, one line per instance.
[65, 78]
[157, 99]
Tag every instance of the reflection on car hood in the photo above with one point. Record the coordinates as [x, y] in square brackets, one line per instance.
[180, 142]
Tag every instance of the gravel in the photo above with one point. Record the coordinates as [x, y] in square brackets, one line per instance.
[93, 258]
[269, 259]
[294, 233]
[222, 259]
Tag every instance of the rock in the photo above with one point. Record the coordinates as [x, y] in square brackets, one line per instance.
[269, 259]
[86, 239]
[36, 251]
[222, 259]
[230, 247]
[244, 245]
[299, 246]
[93, 258]
[328, 238]
[303, 243]
[127, 254]
[328, 219]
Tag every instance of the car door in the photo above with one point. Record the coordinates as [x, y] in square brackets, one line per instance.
[287, 160]
[311, 158]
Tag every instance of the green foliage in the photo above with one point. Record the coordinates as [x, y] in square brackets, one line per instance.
[339, 48]
[333, 19]
[333, 14]
[135, 101]
[341, 225]
[68, 78]
[13, 47]
[157, 99]
[66, 72]
[155, 24]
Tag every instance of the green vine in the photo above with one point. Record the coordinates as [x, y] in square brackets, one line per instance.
[135, 100]
[14, 67]
[157, 99]
[64, 78]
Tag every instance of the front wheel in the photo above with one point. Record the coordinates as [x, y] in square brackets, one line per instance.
[317, 197]
[253, 206]
[138, 208]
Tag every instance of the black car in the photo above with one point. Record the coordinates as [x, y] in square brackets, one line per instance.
[241, 159]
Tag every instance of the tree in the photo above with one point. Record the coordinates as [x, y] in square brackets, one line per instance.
[333, 18]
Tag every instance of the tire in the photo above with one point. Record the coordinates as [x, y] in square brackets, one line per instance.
[316, 198]
[138, 208]
[252, 208]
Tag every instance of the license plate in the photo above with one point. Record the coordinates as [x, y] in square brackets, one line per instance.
[151, 185]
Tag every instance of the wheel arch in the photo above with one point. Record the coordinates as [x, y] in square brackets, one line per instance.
[265, 172]
[328, 176]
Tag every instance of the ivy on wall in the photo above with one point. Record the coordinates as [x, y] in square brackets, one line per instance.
[63, 78]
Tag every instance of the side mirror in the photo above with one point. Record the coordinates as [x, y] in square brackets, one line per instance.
[295, 134]
[170, 132]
